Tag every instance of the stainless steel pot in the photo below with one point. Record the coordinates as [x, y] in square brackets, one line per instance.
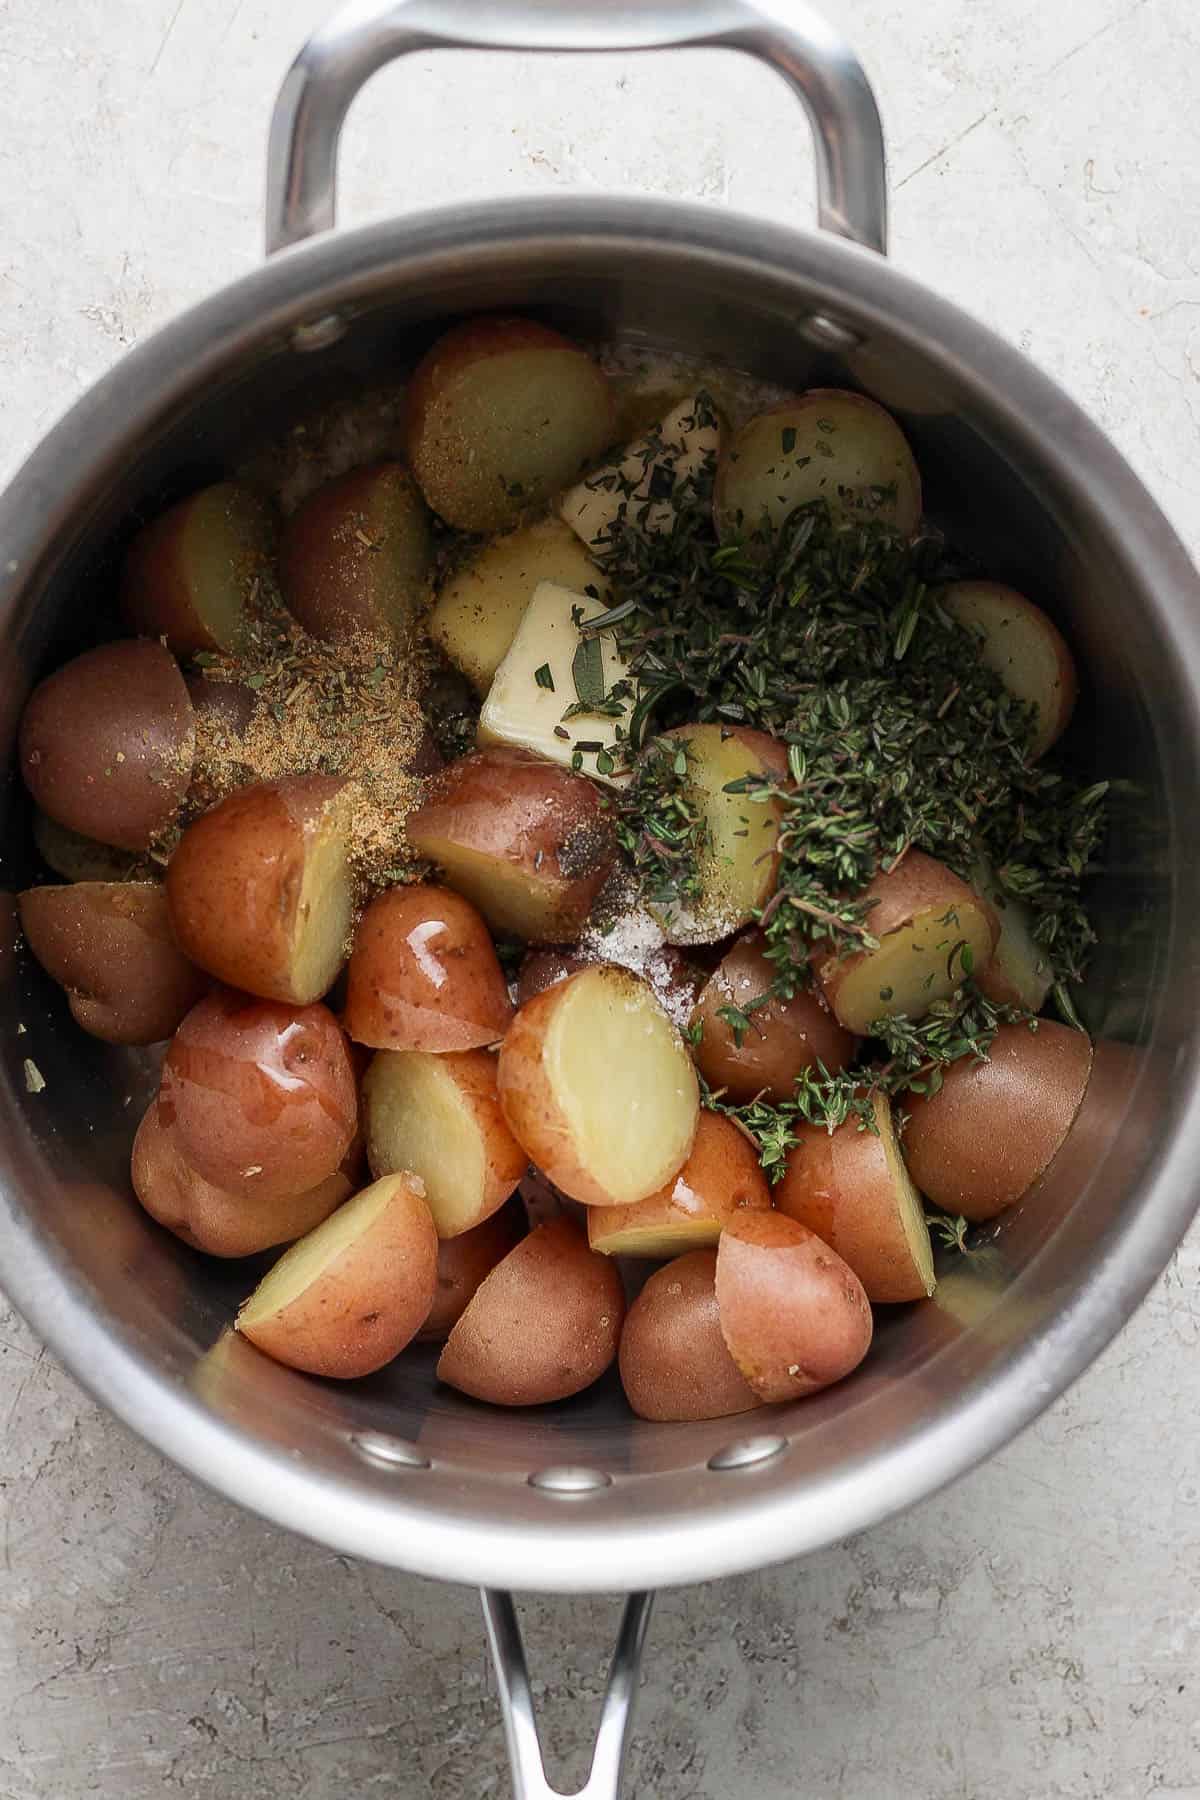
[582, 1497]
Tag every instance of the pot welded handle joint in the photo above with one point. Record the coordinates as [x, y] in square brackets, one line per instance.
[366, 34]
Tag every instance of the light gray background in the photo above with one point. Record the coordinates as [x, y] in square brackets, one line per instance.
[1032, 1633]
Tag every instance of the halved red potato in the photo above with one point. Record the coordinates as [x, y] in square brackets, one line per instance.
[528, 843]
[637, 487]
[499, 415]
[261, 1096]
[721, 1178]
[739, 863]
[109, 943]
[544, 1324]
[673, 1360]
[440, 1116]
[1024, 647]
[828, 444]
[107, 743]
[79, 858]
[933, 932]
[424, 974]
[598, 1088]
[208, 1218]
[851, 1188]
[462, 1263]
[348, 1297]
[980, 1142]
[260, 890]
[356, 556]
[794, 1315]
[479, 608]
[781, 1039]
[192, 575]
[1020, 973]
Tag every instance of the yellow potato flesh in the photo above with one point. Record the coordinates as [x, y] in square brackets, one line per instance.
[909, 1205]
[418, 1120]
[1020, 645]
[511, 899]
[736, 867]
[915, 966]
[663, 1240]
[1018, 958]
[624, 1083]
[308, 1260]
[321, 938]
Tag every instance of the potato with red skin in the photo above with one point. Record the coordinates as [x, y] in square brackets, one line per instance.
[462, 1264]
[192, 575]
[794, 1316]
[499, 415]
[851, 1188]
[721, 1178]
[351, 1294]
[439, 1116]
[528, 843]
[79, 858]
[261, 1097]
[1024, 647]
[259, 887]
[782, 1038]
[544, 1324]
[673, 1360]
[208, 1218]
[932, 931]
[107, 743]
[356, 556]
[598, 1089]
[424, 974]
[992, 1128]
[109, 944]
[541, 969]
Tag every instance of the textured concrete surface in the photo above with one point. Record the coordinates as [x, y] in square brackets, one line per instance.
[1033, 1635]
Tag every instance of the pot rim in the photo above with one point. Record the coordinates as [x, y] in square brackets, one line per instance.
[579, 1547]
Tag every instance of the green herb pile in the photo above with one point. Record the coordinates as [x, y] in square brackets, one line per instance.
[828, 634]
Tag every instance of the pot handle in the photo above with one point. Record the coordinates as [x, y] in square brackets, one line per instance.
[789, 35]
[516, 1701]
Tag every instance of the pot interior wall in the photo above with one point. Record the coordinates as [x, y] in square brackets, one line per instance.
[68, 1145]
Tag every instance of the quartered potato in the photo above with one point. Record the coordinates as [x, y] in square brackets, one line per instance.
[192, 575]
[501, 414]
[107, 742]
[478, 610]
[357, 555]
[462, 1264]
[776, 1042]
[673, 1359]
[1020, 973]
[424, 974]
[828, 444]
[1023, 647]
[721, 1178]
[637, 488]
[933, 932]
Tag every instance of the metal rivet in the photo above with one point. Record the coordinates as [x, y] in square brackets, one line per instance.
[318, 334]
[569, 1478]
[388, 1452]
[829, 334]
[747, 1453]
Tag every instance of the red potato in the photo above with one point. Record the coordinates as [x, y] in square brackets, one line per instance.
[357, 555]
[348, 1297]
[424, 975]
[992, 1128]
[721, 1178]
[544, 1324]
[598, 1089]
[673, 1360]
[541, 969]
[528, 843]
[462, 1264]
[794, 1316]
[192, 575]
[260, 891]
[208, 1218]
[828, 444]
[851, 1188]
[933, 931]
[261, 1097]
[675, 980]
[500, 414]
[79, 858]
[1023, 647]
[107, 743]
[739, 862]
[1019, 973]
[109, 943]
[440, 1117]
[782, 1038]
